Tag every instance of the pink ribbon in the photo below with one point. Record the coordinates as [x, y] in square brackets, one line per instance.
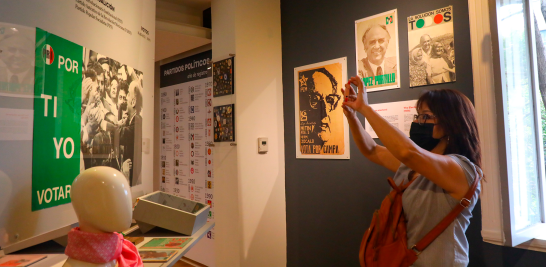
[102, 248]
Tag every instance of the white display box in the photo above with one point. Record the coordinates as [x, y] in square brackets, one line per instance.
[170, 212]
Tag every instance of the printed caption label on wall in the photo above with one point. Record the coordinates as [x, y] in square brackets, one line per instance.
[57, 119]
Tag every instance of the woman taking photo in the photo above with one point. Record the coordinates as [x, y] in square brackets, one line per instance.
[441, 157]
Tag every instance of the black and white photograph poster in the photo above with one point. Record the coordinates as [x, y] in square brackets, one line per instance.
[322, 131]
[111, 122]
[377, 52]
[431, 47]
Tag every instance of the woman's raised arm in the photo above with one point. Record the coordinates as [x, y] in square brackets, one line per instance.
[365, 143]
[440, 169]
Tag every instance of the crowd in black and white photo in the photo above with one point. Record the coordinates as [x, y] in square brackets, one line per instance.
[432, 61]
[111, 114]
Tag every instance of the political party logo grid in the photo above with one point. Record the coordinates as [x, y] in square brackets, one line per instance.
[209, 180]
[224, 123]
[191, 123]
[170, 180]
[191, 158]
[223, 77]
[182, 100]
[197, 146]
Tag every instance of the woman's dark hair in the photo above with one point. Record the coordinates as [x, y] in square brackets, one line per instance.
[456, 116]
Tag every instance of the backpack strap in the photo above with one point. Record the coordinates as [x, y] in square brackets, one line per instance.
[442, 225]
[399, 188]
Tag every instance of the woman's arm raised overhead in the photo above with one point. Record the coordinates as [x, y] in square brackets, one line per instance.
[440, 169]
[365, 143]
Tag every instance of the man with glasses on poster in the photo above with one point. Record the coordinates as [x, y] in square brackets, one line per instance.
[319, 99]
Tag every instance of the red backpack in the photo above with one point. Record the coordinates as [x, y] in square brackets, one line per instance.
[385, 243]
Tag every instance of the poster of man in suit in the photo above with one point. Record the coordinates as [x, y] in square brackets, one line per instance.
[322, 130]
[377, 53]
[17, 60]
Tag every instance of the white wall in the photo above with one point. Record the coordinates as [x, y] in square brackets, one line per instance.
[227, 237]
[61, 18]
[250, 199]
[169, 11]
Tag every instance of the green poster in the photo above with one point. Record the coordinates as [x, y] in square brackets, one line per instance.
[57, 116]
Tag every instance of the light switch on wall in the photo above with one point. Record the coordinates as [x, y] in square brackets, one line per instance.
[262, 145]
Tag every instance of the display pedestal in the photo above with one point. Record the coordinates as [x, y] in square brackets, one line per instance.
[57, 258]
[164, 233]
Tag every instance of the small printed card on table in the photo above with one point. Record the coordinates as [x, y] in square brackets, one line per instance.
[20, 260]
[166, 243]
[156, 255]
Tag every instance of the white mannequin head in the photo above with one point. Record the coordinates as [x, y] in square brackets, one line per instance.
[101, 197]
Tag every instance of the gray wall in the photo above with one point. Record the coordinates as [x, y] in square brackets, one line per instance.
[330, 202]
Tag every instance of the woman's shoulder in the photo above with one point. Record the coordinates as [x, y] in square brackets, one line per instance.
[402, 173]
[461, 159]
[470, 169]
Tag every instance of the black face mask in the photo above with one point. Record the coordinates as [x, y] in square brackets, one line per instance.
[422, 135]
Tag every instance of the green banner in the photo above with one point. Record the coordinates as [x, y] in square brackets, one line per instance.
[57, 119]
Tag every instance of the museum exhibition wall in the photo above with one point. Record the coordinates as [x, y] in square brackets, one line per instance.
[90, 56]
[185, 135]
[248, 186]
[330, 201]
